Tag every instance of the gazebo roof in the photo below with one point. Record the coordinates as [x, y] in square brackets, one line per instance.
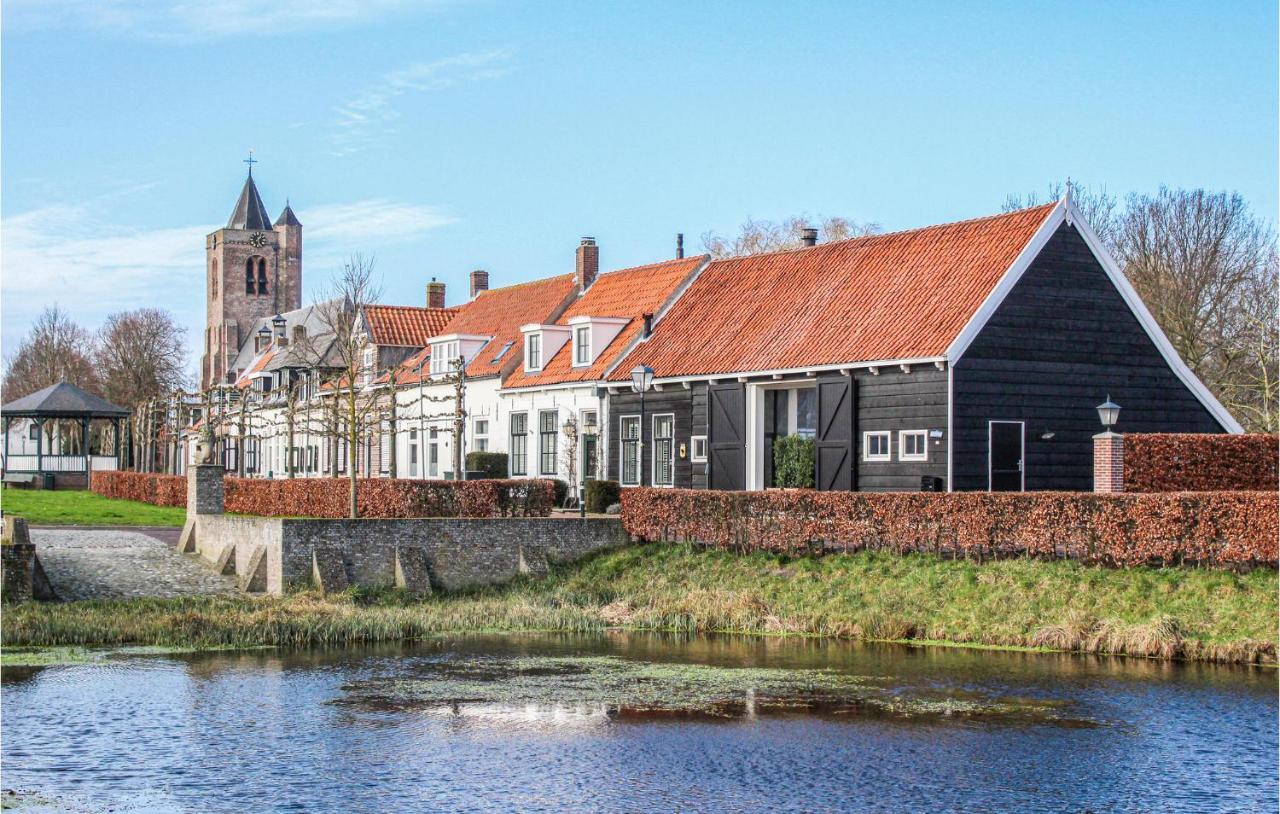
[62, 400]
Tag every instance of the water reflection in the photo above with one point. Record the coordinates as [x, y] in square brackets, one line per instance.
[278, 731]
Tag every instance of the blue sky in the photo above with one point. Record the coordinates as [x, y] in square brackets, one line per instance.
[446, 136]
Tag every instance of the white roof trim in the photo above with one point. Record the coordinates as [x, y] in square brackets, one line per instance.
[1066, 210]
[573, 321]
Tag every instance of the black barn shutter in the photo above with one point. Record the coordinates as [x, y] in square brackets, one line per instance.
[727, 407]
[837, 441]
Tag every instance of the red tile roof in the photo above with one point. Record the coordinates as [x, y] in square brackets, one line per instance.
[405, 325]
[629, 293]
[895, 296]
[499, 313]
[258, 364]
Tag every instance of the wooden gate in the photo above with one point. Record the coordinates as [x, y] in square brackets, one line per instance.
[727, 408]
[836, 454]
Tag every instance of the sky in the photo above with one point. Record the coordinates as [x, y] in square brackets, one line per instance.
[449, 135]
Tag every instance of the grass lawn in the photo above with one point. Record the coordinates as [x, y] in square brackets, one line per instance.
[1170, 613]
[82, 508]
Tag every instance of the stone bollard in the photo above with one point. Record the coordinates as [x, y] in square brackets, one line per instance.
[205, 496]
[1108, 462]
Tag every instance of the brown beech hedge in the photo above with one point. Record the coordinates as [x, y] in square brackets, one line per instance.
[1235, 529]
[327, 497]
[1200, 462]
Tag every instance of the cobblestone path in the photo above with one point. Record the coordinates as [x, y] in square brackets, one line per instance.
[104, 563]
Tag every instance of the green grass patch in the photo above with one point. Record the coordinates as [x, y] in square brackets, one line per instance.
[1018, 603]
[83, 508]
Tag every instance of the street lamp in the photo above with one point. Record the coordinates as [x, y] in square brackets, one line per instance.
[1109, 413]
[641, 381]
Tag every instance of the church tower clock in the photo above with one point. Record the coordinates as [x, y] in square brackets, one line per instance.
[253, 271]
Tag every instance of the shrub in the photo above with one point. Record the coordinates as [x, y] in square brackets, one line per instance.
[1214, 528]
[492, 464]
[1200, 462]
[562, 491]
[793, 465]
[601, 494]
[144, 487]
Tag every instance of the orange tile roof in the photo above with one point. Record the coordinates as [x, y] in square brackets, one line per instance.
[257, 366]
[499, 313]
[629, 293]
[895, 296]
[405, 325]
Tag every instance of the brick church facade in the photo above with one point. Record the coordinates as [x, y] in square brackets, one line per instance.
[254, 270]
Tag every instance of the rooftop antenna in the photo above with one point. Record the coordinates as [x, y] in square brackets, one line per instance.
[251, 161]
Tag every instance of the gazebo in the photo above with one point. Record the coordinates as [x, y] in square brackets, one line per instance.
[65, 415]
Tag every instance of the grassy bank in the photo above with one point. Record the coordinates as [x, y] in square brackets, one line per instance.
[1172, 613]
[82, 508]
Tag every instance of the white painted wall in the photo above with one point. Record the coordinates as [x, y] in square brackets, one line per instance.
[572, 401]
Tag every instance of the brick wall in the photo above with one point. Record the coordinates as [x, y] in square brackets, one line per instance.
[1108, 462]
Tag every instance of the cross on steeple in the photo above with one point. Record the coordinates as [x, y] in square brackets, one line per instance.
[251, 161]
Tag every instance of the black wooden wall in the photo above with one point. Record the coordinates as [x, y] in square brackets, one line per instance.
[689, 408]
[894, 400]
[1062, 341]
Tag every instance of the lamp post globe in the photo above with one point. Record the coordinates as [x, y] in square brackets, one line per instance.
[641, 381]
[1109, 413]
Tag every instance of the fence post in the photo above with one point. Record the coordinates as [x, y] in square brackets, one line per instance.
[1108, 462]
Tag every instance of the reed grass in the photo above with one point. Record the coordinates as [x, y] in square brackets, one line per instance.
[1163, 613]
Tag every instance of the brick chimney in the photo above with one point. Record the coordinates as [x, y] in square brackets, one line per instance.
[479, 282]
[588, 265]
[435, 294]
[808, 237]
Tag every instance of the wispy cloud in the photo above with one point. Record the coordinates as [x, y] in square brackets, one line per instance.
[371, 112]
[187, 20]
[91, 267]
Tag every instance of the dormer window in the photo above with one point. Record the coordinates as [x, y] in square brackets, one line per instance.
[533, 351]
[442, 356]
[582, 346]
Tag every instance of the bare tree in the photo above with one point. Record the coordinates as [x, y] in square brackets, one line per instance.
[1099, 207]
[340, 317]
[56, 349]
[140, 355]
[761, 236]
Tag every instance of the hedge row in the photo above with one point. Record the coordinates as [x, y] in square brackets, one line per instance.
[1237, 529]
[327, 497]
[1200, 462]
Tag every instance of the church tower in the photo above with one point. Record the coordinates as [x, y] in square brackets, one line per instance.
[253, 271]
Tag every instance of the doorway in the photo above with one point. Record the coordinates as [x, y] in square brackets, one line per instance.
[1006, 458]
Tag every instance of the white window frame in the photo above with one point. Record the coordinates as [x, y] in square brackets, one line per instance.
[622, 450]
[887, 455]
[554, 436]
[512, 436]
[902, 445]
[480, 440]
[698, 449]
[582, 346]
[653, 442]
[533, 352]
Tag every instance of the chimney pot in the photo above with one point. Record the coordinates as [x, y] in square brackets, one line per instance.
[588, 263]
[809, 237]
[435, 294]
[679, 245]
[479, 282]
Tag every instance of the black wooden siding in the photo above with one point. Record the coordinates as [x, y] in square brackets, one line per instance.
[896, 401]
[1062, 341]
[673, 399]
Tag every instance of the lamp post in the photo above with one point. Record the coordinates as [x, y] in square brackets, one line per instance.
[641, 381]
[1108, 413]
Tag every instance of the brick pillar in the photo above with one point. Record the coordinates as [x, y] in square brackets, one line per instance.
[1108, 462]
[204, 496]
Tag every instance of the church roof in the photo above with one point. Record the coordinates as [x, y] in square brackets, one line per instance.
[287, 218]
[249, 212]
[62, 399]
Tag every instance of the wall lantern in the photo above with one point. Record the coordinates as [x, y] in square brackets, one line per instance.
[1108, 413]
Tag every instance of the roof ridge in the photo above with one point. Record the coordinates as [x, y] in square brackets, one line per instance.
[894, 233]
[643, 266]
[525, 283]
[412, 307]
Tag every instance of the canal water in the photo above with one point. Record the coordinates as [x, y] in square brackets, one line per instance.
[640, 723]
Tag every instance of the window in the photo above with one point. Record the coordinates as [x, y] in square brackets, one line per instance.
[249, 287]
[582, 345]
[33, 433]
[433, 457]
[533, 351]
[213, 278]
[502, 352]
[482, 435]
[299, 333]
[547, 432]
[875, 446]
[413, 453]
[913, 445]
[251, 454]
[262, 276]
[589, 438]
[519, 443]
[629, 452]
[442, 356]
[664, 459]
[698, 451]
[807, 412]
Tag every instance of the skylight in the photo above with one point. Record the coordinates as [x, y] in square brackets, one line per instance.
[502, 352]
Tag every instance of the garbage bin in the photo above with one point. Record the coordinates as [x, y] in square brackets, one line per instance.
[930, 483]
[46, 481]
